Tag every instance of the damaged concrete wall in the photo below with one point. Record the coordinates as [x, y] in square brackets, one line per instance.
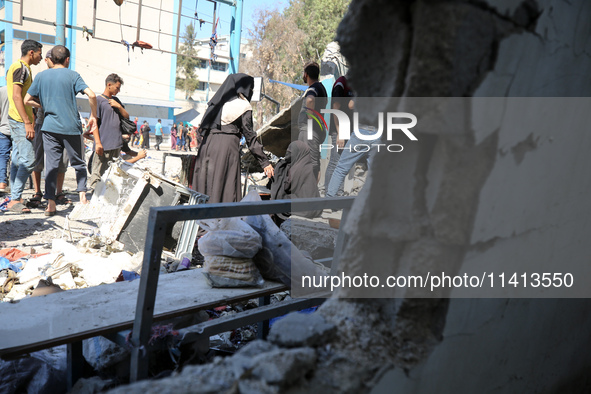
[460, 199]
[480, 199]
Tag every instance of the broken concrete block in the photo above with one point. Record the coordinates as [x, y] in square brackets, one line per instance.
[316, 238]
[257, 387]
[255, 348]
[297, 329]
[102, 353]
[91, 386]
[284, 367]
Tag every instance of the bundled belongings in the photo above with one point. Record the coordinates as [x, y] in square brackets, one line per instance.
[228, 248]
[279, 259]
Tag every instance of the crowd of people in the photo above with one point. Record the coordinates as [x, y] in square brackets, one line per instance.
[53, 136]
[229, 117]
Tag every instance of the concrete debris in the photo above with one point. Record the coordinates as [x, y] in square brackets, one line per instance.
[298, 329]
[284, 366]
[101, 353]
[276, 134]
[121, 202]
[255, 348]
[70, 268]
[257, 387]
[315, 237]
[91, 386]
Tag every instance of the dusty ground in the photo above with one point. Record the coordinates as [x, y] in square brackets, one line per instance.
[35, 230]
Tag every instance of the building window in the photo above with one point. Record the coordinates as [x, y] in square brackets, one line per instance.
[34, 36]
[202, 86]
[42, 38]
[47, 39]
[217, 66]
[20, 34]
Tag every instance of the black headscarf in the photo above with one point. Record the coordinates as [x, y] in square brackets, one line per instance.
[233, 86]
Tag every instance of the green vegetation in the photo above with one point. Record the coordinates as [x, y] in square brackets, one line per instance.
[186, 79]
[284, 41]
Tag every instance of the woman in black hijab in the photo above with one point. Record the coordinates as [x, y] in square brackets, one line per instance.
[227, 118]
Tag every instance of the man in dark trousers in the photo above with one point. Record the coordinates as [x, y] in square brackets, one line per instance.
[107, 137]
[314, 99]
[55, 90]
[158, 133]
[145, 135]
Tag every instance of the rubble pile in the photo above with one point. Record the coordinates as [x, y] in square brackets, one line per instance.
[67, 267]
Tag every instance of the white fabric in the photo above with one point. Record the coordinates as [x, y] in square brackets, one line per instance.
[234, 109]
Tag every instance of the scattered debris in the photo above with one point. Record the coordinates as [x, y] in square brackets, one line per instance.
[299, 329]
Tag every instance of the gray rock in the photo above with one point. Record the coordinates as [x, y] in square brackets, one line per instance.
[255, 348]
[316, 238]
[243, 361]
[256, 387]
[90, 386]
[101, 353]
[297, 329]
[284, 366]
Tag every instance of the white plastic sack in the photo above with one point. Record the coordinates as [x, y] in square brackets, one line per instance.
[230, 237]
[285, 254]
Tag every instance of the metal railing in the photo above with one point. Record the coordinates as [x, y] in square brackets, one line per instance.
[158, 220]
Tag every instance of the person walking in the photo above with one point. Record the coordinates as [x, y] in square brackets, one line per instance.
[342, 97]
[351, 155]
[173, 137]
[145, 135]
[314, 99]
[20, 119]
[55, 90]
[135, 137]
[60, 197]
[188, 139]
[158, 134]
[107, 137]
[185, 137]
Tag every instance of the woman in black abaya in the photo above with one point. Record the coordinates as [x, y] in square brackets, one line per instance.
[227, 118]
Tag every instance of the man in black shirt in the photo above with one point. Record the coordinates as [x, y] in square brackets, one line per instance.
[315, 99]
[107, 137]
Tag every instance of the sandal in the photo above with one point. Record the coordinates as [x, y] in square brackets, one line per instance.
[62, 199]
[35, 201]
[8, 283]
[19, 208]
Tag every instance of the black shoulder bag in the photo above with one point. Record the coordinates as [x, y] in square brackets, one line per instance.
[126, 126]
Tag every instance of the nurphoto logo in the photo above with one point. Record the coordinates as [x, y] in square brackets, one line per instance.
[364, 137]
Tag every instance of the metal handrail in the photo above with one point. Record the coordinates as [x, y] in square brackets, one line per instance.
[158, 221]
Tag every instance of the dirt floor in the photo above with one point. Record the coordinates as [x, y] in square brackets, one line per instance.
[36, 231]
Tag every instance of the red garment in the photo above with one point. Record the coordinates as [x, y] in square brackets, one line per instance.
[13, 254]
